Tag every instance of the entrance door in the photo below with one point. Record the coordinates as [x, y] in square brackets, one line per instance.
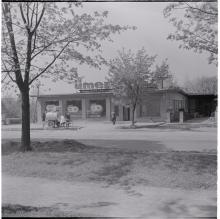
[126, 113]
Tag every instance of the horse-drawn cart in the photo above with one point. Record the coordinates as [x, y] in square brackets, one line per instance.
[52, 119]
[55, 120]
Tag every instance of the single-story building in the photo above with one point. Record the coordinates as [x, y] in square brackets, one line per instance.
[98, 102]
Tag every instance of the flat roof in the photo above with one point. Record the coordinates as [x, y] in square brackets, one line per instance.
[201, 94]
[107, 92]
[77, 94]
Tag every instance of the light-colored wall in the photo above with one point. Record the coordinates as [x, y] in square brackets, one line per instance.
[39, 111]
[108, 108]
[84, 107]
[120, 113]
[163, 107]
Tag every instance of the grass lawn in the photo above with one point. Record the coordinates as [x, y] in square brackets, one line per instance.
[9, 210]
[73, 161]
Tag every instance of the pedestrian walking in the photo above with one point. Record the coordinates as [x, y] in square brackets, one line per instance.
[113, 118]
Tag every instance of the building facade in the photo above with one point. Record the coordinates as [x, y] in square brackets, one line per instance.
[98, 104]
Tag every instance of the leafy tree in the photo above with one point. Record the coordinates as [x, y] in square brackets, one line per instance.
[163, 73]
[130, 74]
[41, 39]
[196, 26]
[202, 85]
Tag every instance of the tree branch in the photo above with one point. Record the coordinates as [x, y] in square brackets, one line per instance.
[22, 15]
[48, 66]
[51, 43]
[36, 54]
[27, 14]
[32, 15]
[8, 71]
[198, 9]
[41, 16]
[2, 81]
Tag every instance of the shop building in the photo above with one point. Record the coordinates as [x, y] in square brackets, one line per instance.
[99, 102]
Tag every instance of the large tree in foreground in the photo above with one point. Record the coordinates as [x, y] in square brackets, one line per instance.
[196, 26]
[131, 73]
[42, 39]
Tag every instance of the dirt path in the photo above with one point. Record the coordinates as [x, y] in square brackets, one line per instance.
[96, 200]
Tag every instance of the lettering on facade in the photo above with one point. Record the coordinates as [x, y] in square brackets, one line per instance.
[90, 85]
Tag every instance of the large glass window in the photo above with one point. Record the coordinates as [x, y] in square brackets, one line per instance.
[74, 108]
[96, 108]
[52, 106]
[178, 104]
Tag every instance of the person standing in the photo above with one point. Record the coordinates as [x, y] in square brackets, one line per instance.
[67, 119]
[58, 119]
[62, 121]
[113, 118]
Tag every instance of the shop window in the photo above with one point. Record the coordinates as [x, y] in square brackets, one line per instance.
[52, 106]
[74, 107]
[179, 104]
[96, 108]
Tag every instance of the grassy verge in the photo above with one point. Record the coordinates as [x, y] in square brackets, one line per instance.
[9, 210]
[73, 161]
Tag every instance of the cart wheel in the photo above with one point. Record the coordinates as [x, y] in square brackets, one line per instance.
[50, 123]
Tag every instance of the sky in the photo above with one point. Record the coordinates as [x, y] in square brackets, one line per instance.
[151, 33]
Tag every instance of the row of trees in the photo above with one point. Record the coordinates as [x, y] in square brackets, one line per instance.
[41, 39]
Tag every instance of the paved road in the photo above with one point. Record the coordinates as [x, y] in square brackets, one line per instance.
[92, 199]
[107, 135]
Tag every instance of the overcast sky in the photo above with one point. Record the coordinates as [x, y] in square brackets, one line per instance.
[151, 33]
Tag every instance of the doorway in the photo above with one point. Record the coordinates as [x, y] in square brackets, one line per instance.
[126, 113]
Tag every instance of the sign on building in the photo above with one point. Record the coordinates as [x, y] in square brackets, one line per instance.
[90, 85]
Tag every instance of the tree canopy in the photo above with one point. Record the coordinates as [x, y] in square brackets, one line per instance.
[46, 39]
[131, 73]
[196, 26]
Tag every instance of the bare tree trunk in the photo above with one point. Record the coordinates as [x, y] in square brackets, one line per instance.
[132, 115]
[25, 132]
